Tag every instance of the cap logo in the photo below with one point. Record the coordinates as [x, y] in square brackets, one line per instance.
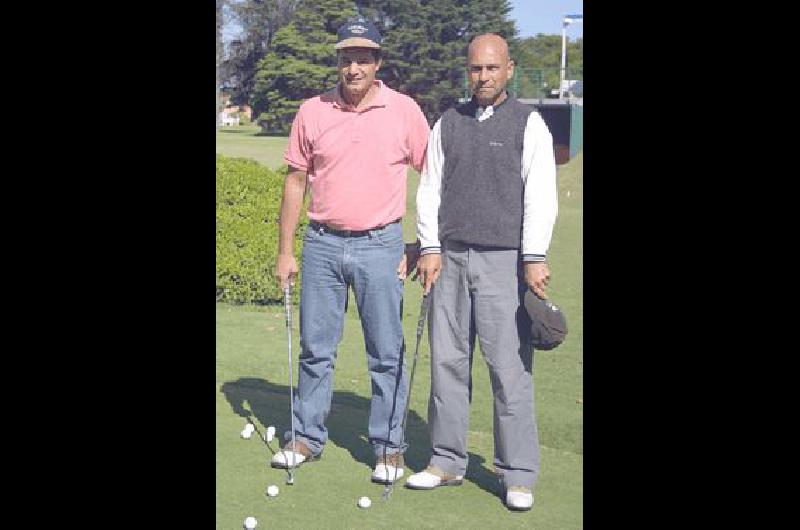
[357, 29]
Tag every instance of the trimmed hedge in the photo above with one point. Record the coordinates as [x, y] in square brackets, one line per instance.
[248, 211]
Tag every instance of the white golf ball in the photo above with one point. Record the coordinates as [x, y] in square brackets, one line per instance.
[364, 502]
[270, 433]
[250, 523]
[246, 434]
[272, 491]
[250, 427]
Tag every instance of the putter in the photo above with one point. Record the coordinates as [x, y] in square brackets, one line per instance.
[287, 304]
[423, 314]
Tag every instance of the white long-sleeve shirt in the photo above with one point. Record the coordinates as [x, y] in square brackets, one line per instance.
[540, 201]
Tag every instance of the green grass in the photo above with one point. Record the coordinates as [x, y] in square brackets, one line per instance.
[243, 141]
[252, 380]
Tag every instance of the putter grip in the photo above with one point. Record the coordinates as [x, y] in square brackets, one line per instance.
[287, 301]
[422, 314]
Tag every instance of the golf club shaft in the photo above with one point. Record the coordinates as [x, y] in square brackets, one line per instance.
[423, 313]
[287, 302]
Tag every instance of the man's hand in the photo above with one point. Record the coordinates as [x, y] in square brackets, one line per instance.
[537, 276]
[428, 269]
[286, 270]
[409, 261]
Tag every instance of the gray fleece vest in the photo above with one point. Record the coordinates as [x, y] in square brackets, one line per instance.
[482, 192]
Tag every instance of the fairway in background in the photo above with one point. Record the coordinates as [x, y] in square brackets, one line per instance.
[244, 141]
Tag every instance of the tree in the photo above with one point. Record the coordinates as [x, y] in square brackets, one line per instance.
[260, 20]
[424, 51]
[490, 16]
[575, 57]
[538, 63]
[425, 44]
[219, 55]
[301, 64]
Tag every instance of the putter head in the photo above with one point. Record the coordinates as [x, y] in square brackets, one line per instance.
[387, 490]
[290, 479]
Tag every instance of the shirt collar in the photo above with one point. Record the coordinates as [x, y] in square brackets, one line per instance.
[484, 113]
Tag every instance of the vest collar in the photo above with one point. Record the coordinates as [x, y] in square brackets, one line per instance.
[484, 113]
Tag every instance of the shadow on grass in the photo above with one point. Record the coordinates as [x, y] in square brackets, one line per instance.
[268, 403]
[483, 477]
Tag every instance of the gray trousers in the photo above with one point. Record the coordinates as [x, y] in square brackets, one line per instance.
[480, 292]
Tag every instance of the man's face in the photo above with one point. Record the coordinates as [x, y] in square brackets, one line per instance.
[489, 69]
[357, 68]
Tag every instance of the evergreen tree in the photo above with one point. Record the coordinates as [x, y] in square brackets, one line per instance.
[425, 44]
[260, 21]
[489, 16]
[219, 54]
[424, 51]
[301, 64]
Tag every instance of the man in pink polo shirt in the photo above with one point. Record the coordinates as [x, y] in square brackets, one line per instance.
[352, 146]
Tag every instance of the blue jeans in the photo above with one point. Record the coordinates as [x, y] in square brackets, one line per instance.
[368, 265]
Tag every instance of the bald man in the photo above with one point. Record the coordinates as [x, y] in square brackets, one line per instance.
[486, 207]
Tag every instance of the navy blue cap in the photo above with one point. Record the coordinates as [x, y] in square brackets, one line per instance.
[548, 324]
[358, 34]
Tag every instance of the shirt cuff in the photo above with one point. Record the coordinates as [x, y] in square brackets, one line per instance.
[430, 250]
[534, 258]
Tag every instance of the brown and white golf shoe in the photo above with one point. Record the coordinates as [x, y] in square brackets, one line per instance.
[292, 457]
[433, 477]
[389, 469]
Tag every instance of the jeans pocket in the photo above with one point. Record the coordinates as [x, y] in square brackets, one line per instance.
[391, 236]
[310, 234]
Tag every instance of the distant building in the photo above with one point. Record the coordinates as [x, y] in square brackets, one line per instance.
[226, 119]
[564, 119]
[230, 112]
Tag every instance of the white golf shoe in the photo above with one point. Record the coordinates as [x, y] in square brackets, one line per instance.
[519, 498]
[287, 458]
[388, 470]
[433, 477]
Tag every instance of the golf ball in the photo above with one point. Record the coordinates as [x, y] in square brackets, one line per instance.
[250, 523]
[246, 434]
[364, 502]
[270, 433]
[250, 427]
[272, 491]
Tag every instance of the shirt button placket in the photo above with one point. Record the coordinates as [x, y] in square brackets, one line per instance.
[356, 119]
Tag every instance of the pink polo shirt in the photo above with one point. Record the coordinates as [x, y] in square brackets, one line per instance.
[357, 161]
